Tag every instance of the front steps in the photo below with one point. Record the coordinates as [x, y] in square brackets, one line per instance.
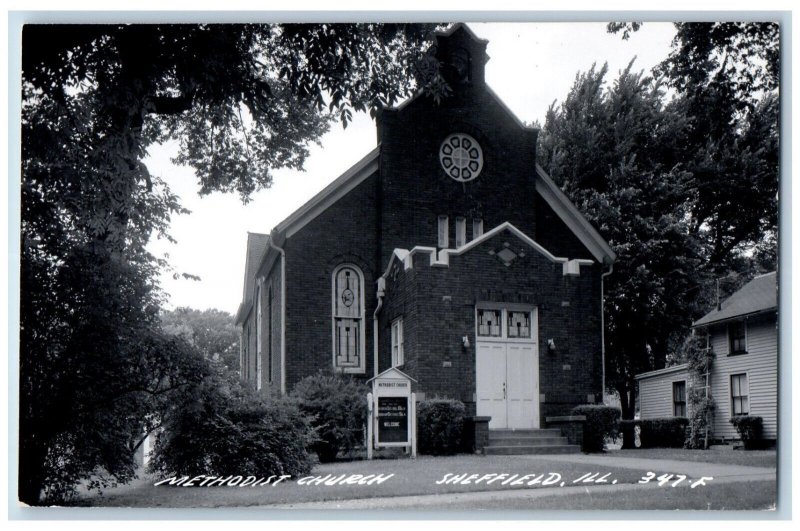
[528, 442]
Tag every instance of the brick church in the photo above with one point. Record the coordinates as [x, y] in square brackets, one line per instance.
[446, 252]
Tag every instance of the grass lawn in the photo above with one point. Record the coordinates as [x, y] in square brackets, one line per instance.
[759, 458]
[756, 495]
[411, 477]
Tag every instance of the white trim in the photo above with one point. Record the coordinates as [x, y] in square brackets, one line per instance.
[361, 369]
[661, 372]
[442, 257]
[572, 217]
[345, 183]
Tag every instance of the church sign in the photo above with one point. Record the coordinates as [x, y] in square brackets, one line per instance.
[392, 408]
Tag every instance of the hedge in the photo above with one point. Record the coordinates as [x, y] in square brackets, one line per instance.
[440, 424]
[666, 432]
[750, 429]
[601, 422]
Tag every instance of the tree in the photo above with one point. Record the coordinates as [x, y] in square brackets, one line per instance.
[241, 100]
[728, 74]
[664, 180]
[212, 332]
[616, 152]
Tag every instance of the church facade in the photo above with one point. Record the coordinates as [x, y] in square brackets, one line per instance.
[446, 252]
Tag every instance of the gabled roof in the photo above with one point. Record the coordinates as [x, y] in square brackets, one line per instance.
[256, 245]
[757, 296]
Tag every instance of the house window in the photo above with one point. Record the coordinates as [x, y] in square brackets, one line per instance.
[444, 238]
[737, 336]
[477, 228]
[489, 322]
[679, 399]
[398, 358]
[348, 319]
[461, 232]
[739, 395]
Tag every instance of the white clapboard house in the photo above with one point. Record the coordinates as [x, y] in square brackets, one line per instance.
[743, 333]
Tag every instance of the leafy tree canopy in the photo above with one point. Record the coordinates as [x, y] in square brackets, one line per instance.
[212, 332]
[240, 101]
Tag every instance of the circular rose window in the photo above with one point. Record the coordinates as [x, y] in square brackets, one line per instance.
[461, 157]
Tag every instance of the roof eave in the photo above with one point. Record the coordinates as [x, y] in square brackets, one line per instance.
[701, 324]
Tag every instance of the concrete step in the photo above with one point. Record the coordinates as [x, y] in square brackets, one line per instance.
[527, 441]
[503, 434]
[532, 450]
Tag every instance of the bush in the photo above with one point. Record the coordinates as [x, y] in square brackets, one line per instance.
[440, 424]
[601, 422]
[336, 406]
[228, 429]
[667, 432]
[750, 430]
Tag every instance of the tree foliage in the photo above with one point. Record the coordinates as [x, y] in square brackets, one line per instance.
[684, 187]
[223, 428]
[240, 101]
[212, 332]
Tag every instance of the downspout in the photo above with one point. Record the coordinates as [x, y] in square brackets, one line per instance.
[603, 329]
[283, 310]
[381, 291]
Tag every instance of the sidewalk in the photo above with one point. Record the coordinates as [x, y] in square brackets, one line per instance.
[720, 472]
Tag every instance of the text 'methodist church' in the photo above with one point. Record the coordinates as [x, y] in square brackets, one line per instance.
[446, 252]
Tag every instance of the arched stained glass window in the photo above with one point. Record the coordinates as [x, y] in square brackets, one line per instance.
[348, 319]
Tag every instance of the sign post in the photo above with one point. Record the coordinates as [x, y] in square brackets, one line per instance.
[393, 419]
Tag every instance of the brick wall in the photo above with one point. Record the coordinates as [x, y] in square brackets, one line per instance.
[439, 305]
[344, 233]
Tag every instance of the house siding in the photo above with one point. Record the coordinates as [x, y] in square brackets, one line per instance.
[760, 363]
[761, 366]
[655, 394]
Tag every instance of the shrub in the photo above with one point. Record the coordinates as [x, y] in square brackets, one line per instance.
[228, 429]
[750, 429]
[336, 406]
[440, 424]
[667, 432]
[601, 422]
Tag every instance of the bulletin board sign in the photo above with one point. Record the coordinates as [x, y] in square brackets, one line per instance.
[392, 412]
[393, 422]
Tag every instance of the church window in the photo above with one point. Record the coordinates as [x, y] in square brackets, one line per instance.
[348, 319]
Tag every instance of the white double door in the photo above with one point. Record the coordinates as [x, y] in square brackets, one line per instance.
[507, 381]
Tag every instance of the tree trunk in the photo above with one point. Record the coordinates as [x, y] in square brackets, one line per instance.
[627, 404]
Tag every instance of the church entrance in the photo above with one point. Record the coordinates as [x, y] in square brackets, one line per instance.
[507, 366]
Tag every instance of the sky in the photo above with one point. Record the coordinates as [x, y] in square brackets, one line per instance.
[531, 65]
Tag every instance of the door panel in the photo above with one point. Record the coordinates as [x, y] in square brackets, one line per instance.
[490, 377]
[522, 385]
